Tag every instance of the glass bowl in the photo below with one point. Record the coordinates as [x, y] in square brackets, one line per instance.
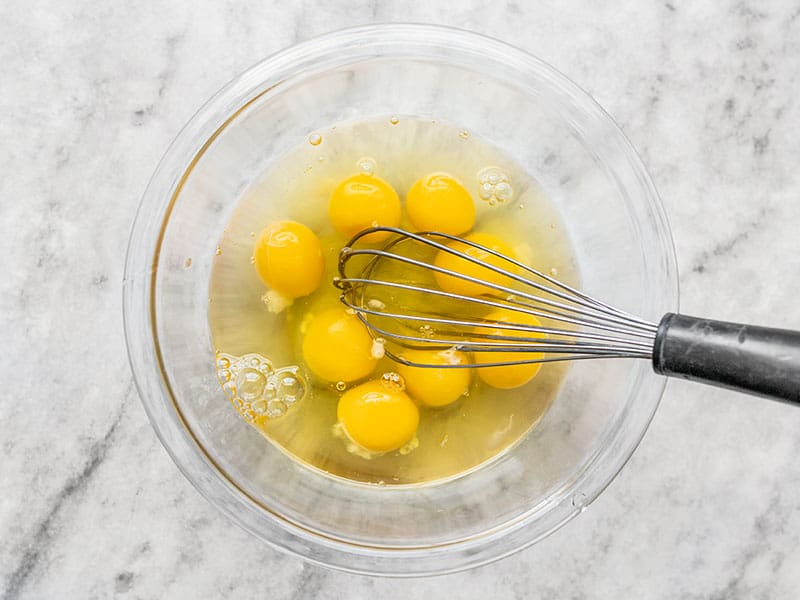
[608, 204]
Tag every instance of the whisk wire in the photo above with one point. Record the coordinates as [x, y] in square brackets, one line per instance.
[600, 329]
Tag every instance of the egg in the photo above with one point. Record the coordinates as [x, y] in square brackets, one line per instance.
[361, 201]
[438, 202]
[435, 386]
[512, 376]
[456, 285]
[288, 258]
[338, 347]
[378, 418]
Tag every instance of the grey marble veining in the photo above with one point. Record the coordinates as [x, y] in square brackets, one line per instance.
[92, 93]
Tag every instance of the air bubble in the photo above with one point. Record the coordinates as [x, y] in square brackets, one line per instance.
[229, 388]
[218, 251]
[366, 165]
[340, 386]
[394, 120]
[252, 260]
[276, 409]
[223, 362]
[225, 375]
[393, 381]
[463, 134]
[291, 388]
[315, 139]
[259, 407]
[250, 384]
[554, 272]
[503, 191]
[188, 262]
[252, 234]
[270, 391]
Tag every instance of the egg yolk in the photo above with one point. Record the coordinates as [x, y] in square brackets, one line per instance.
[512, 376]
[363, 201]
[338, 347]
[435, 386]
[288, 258]
[378, 418]
[438, 202]
[456, 285]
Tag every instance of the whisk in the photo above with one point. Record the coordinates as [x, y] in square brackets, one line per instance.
[394, 291]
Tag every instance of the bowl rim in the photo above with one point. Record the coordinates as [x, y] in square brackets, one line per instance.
[139, 315]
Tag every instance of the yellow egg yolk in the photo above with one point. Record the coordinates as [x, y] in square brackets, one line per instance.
[378, 418]
[338, 347]
[288, 258]
[438, 202]
[433, 386]
[363, 201]
[512, 376]
[456, 285]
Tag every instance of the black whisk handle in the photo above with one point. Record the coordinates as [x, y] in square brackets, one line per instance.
[758, 360]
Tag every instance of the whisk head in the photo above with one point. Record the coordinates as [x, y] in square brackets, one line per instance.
[512, 313]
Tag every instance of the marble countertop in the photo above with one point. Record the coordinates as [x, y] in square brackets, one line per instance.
[92, 93]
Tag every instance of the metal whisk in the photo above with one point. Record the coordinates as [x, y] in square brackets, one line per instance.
[395, 290]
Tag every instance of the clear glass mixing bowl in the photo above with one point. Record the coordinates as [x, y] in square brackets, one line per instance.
[589, 170]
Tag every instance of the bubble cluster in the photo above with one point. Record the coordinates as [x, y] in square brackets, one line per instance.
[256, 388]
[426, 331]
[494, 186]
[393, 381]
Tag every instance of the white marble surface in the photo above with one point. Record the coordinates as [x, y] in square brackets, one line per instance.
[90, 504]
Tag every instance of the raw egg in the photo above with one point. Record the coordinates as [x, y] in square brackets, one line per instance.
[361, 201]
[433, 386]
[438, 202]
[378, 418]
[451, 262]
[338, 347]
[288, 258]
[511, 376]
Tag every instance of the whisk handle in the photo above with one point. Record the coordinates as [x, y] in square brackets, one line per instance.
[759, 360]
